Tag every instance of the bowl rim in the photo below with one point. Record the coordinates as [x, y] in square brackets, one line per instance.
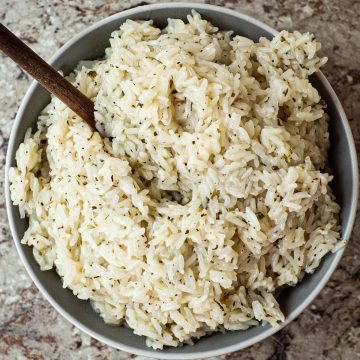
[160, 354]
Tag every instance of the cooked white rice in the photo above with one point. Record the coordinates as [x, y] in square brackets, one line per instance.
[208, 193]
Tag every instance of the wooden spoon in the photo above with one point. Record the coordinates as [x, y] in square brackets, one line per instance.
[46, 75]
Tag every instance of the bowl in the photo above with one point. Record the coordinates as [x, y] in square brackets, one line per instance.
[90, 44]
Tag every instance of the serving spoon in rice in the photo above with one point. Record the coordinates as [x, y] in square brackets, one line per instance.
[46, 75]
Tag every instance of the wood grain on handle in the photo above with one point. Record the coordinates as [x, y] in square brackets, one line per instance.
[48, 77]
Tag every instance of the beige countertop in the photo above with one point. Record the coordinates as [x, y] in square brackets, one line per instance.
[329, 329]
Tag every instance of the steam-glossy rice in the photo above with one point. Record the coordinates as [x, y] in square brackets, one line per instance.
[208, 192]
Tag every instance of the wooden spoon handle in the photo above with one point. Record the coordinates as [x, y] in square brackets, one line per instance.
[47, 76]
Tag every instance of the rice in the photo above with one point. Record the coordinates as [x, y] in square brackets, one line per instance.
[207, 193]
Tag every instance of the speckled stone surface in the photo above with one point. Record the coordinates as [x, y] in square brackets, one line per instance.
[329, 329]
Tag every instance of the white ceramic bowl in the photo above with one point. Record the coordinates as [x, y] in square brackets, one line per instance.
[90, 44]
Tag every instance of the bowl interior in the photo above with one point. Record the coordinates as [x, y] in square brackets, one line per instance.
[91, 45]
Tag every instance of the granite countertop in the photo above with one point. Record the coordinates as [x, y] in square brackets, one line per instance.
[31, 329]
